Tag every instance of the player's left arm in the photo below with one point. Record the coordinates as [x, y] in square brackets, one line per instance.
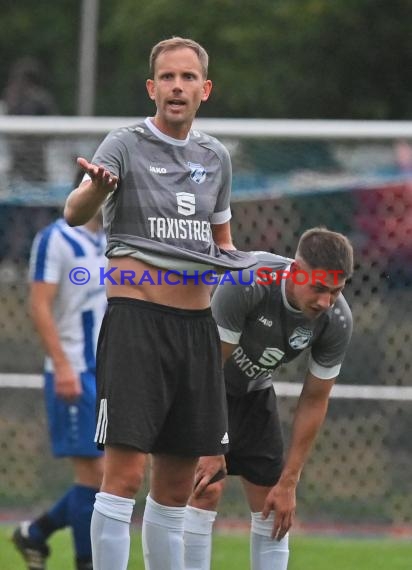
[220, 219]
[222, 236]
[309, 417]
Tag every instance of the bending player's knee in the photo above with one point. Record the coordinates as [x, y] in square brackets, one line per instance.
[172, 497]
[210, 497]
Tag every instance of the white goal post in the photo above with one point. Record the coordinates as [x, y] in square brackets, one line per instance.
[288, 175]
[288, 389]
[241, 128]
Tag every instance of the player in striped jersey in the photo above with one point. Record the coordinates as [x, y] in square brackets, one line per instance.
[289, 307]
[67, 305]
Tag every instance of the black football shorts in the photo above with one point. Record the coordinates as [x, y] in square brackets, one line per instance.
[160, 380]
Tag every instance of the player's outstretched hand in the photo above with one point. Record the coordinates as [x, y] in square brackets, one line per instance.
[101, 177]
[282, 500]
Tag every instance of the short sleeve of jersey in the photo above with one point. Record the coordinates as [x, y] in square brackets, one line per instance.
[222, 213]
[111, 152]
[328, 352]
[47, 256]
[231, 304]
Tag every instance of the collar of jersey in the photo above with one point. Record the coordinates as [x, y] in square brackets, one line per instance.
[96, 238]
[165, 138]
[283, 289]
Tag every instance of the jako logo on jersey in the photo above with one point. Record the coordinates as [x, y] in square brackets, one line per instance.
[265, 321]
[271, 356]
[300, 338]
[158, 169]
[186, 203]
[197, 172]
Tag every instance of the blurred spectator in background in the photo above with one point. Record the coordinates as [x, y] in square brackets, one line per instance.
[384, 215]
[403, 157]
[27, 94]
[18, 226]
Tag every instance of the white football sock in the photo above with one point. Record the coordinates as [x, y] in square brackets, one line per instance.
[110, 532]
[162, 536]
[267, 553]
[198, 538]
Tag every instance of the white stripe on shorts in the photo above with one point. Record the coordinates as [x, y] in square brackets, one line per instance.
[101, 429]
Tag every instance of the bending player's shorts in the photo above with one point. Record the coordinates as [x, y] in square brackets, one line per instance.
[256, 442]
[72, 426]
[160, 380]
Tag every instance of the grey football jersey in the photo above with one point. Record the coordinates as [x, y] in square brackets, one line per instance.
[168, 195]
[269, 332]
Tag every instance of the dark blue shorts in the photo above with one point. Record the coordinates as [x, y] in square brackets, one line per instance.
[72, 426]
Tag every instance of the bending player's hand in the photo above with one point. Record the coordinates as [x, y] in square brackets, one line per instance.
[209, 469]
[67, 383]
[101, 178]
[282, 500]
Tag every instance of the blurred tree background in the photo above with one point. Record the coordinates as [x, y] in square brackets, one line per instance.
[340, 59]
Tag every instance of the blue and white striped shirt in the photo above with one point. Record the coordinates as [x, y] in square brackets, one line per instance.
[78, 309]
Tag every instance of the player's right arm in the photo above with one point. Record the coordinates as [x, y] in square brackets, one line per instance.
[309, 417]
[102, 175]
[83, 202]
[227, 350]
[41, 299]
[48, 264]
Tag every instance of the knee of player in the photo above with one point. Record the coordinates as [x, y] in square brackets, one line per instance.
[88, 471]
[210, 497]
[123, 484]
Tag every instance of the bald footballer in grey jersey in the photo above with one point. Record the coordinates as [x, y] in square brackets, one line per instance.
[267, 316]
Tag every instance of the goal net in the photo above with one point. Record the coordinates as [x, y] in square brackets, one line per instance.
[353, 177]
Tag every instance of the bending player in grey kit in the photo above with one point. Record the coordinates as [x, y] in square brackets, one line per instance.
[289, 306]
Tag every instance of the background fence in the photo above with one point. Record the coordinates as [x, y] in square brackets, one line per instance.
[288, 176]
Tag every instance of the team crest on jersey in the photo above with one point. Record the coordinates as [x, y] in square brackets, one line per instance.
[300, 338]
[197, 172]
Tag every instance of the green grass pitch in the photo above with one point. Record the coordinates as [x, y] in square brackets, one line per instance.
[230, 552]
